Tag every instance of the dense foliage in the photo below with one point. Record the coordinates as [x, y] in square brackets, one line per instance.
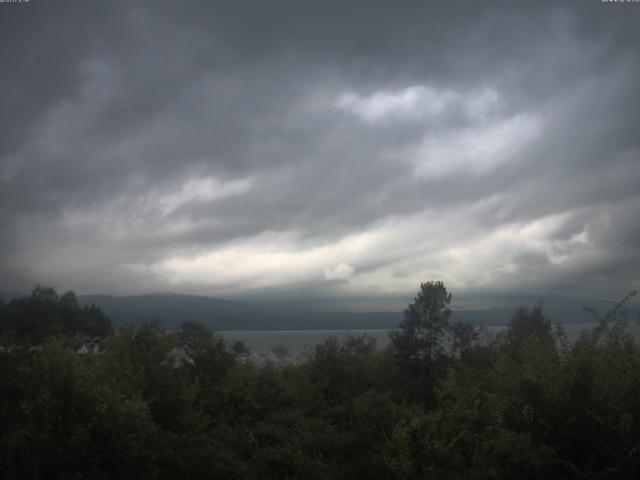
[443, 401]
[44, 314]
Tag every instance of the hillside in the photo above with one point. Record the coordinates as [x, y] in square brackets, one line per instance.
[172, 309]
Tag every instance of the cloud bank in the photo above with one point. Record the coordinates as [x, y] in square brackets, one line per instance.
[324, 148]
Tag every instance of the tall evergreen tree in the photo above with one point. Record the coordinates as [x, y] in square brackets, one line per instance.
[418, 342]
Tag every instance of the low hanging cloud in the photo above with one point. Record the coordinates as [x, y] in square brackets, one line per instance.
[326, 150]
[340, 272]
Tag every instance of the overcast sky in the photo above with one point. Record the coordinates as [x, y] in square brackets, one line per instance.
[326, 148]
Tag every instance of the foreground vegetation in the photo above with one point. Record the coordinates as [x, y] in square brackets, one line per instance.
[443, 401]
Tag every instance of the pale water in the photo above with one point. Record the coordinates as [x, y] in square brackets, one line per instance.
[294, 342]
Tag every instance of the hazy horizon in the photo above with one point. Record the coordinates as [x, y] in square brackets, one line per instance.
[554, 304]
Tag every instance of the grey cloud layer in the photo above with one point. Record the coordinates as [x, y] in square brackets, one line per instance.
[321, 126]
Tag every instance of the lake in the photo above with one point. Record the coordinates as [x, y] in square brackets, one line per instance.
[261, 342]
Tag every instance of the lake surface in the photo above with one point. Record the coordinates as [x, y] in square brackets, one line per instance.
[294, 342]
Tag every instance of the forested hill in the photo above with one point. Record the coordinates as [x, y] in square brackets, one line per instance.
[173, 309]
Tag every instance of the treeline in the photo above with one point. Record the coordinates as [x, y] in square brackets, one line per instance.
[442, 401]
[45, 314]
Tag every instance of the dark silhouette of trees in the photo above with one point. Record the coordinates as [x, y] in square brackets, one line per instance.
[419, 341]
[44, 314]
[441, 401]
[527, 325]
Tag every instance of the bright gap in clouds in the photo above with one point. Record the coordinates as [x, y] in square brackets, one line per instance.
[417, 102]
[266, 260]
[195, 190]
[157, 211]
[392, 256]
[480, 138]
[475, 149]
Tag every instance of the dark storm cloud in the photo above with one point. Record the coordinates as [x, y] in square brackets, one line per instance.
[156, 141]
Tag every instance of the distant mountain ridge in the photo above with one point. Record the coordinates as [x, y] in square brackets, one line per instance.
[172, 309]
